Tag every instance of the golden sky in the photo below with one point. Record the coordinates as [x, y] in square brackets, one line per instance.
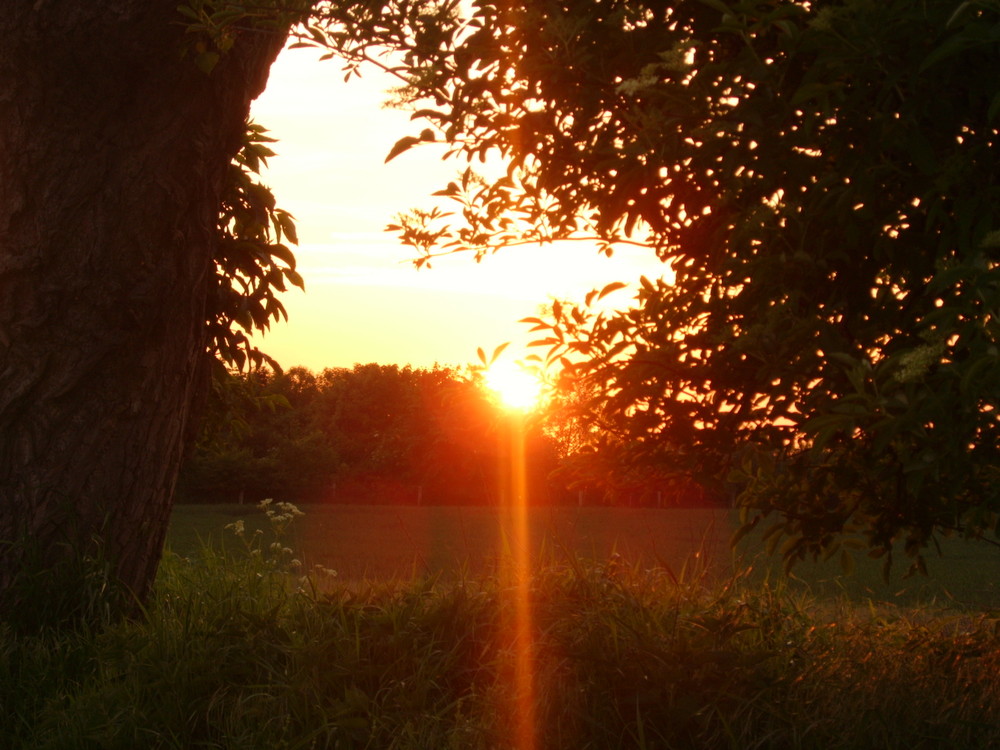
[364, 301]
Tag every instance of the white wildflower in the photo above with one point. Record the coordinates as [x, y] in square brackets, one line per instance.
[822, 21]
[914, 364]
[290, 509]
[630, 86]
[991, 240]
[680, 59]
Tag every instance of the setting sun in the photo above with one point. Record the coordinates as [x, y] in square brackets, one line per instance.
[515, 387]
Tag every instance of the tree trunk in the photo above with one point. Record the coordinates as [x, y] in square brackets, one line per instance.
[113, 152]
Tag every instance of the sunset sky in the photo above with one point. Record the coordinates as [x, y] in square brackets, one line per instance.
[364, 300]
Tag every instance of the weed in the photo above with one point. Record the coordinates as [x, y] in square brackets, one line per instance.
[241, 649]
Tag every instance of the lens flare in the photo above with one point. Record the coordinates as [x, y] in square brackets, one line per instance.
[518, 576]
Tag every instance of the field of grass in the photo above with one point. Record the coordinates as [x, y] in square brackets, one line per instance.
[240, 651]
[386, 542]
[380, 541]
[637, 630]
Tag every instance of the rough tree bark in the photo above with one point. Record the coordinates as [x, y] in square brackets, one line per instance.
[112, 154]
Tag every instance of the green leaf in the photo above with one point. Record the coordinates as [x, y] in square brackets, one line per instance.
[790, 545]
[318, 35]
[295, 278]
[227, 15]
[717, 5]
[958, 13]
[283, 253]
[206, 61]
[610, 288]
[498, 351]
[403, 144]
[187, 10]
[847, 562]
[974, 34]
[994, 110]
[741, 533]
[450, 190]
[287, 223]
[845, 360]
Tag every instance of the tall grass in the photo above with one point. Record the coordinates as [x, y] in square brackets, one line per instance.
[244, 651]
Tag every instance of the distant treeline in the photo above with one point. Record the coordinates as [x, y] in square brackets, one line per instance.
[373, 433]
[385, 434]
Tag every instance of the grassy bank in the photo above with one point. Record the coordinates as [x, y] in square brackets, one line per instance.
[244, 651]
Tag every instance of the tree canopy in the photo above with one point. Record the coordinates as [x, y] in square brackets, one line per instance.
[369, 434]
[819, 177]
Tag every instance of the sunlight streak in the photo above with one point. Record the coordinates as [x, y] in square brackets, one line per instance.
[518, 581]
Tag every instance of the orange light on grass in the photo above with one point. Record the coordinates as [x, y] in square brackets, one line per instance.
[517, 578]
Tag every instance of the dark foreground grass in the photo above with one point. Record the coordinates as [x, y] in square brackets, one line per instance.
[242, 652]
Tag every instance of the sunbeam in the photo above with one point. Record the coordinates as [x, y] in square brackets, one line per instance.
[518, 573]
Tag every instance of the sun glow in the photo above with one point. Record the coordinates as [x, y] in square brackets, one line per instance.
[515, 387]
[516, 573]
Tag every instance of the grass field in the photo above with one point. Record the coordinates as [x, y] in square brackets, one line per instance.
[415, 645]
[402, 542]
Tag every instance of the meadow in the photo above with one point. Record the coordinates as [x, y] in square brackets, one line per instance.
[382, 542]
[634, 629]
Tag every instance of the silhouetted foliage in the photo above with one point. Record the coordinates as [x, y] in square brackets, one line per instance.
[136, 242]
[820, 177]
[370, 434]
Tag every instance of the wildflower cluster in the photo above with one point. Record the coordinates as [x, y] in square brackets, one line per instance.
[678, 60]
[280, 515]
[276, 556]
[991, 240]
[917, 362]
[823, 20]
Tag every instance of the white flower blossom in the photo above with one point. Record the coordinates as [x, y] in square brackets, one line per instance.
[322, 569]
[630, 86]
[991, 240]
[914, 364]
[677, 60]
[822, 21]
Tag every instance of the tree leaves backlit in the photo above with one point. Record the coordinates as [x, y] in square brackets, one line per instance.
[820, 177]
